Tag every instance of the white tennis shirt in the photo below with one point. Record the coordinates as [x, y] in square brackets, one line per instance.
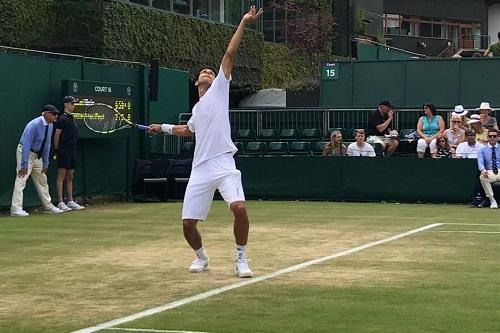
[210, 122]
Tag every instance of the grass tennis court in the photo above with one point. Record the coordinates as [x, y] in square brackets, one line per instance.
[80, 269]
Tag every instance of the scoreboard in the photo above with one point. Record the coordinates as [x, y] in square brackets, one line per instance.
[87, 93]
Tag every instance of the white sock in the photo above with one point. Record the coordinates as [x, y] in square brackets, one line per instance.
[201, 253]
[240, 251]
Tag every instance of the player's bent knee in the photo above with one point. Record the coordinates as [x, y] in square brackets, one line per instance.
[238, 207]
[189, 223]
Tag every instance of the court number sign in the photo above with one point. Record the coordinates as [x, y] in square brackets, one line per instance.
[330, 71]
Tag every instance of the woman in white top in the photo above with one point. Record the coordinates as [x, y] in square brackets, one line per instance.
[454, 134]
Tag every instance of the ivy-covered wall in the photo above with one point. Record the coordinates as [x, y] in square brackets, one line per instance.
[118, 30]
[138, 33]
[26, 23]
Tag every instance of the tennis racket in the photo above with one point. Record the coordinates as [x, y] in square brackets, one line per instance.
[104, 119]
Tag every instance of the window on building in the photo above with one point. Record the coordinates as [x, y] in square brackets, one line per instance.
[141, 2]
[182, 6]
[162, 4]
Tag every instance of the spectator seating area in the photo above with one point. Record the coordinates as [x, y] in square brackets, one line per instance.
[309, 141]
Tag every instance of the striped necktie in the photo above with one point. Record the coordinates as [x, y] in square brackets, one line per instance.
[494, 160]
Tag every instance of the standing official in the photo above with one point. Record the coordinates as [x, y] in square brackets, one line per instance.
[65, 137]
[33, 160]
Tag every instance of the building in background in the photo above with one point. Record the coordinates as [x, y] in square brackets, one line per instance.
[431, 27]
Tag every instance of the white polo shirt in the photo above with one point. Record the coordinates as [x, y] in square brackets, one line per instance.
[464, 150]
[210, 122]
[366, 150]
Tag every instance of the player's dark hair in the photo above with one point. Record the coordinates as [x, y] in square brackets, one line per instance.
[198, 72]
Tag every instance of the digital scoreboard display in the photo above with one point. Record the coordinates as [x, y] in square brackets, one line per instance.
[87, 93]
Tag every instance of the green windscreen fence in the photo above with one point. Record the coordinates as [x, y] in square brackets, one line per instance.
[104, 164]
[410, 83]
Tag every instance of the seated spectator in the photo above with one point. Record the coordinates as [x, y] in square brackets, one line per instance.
[462, 113]
[488, 162]
[335, 147]
[454, 134]
[470, 147]
[379, 128]
[443, 148]
[481, 134]
[360, 147]
[487, 121]
[429, 127]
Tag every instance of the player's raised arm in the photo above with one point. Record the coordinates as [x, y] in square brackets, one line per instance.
[228, 59]
[178, 130]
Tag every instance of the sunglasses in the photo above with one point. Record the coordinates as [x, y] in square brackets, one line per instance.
[470, 134]
[456, 121]
[492, 136]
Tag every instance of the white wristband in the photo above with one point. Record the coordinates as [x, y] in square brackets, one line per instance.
[167, 128]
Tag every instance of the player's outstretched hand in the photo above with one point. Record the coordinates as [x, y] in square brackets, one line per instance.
[252, 15]
[155, 128]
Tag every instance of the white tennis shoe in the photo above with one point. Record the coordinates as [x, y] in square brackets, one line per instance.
[62, 206]
[19, 213]
[241, 268]
[74, 206]
[199, 265]
[53, 210]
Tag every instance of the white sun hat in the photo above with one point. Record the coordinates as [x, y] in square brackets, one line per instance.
[459, 111]
[484, 106]
[474, 119]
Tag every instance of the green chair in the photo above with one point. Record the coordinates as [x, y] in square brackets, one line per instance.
[184, 118]
[330, 130]
[311, 134]
[318, 147]
[245, 135]
[239, 146]
[255, 148]
[300, 148]
[268, 135]
[289, 134]
[277, 148]
[188, 148]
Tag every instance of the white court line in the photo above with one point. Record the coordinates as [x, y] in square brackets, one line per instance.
[495, 224]
[216, 291]
[149, 330]
[471, 231]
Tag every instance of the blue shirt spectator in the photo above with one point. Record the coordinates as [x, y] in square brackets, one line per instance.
[484, 160]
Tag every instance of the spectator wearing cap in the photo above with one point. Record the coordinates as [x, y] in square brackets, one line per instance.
[360, 147]
[65, 138]
[32, 158]
[462, 113]
[487, 121]
[379, 128]
[429, 127]
[470, 149]
[475, 124]
[488, 162]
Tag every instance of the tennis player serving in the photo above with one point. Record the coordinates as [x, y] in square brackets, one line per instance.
[213, 162]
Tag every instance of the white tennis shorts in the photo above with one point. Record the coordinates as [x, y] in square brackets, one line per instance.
[218, 173]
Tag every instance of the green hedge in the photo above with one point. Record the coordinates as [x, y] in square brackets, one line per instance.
[139, 33]
[118, 30]
[26, 23]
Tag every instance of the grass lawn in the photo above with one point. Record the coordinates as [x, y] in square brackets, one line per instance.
[70, 271]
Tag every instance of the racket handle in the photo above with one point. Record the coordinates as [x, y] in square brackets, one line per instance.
[143, 127]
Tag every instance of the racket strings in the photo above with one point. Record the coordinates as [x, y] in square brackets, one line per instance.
[102, 118]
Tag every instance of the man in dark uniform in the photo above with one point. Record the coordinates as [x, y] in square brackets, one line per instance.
[379, 128]
[65, 137]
